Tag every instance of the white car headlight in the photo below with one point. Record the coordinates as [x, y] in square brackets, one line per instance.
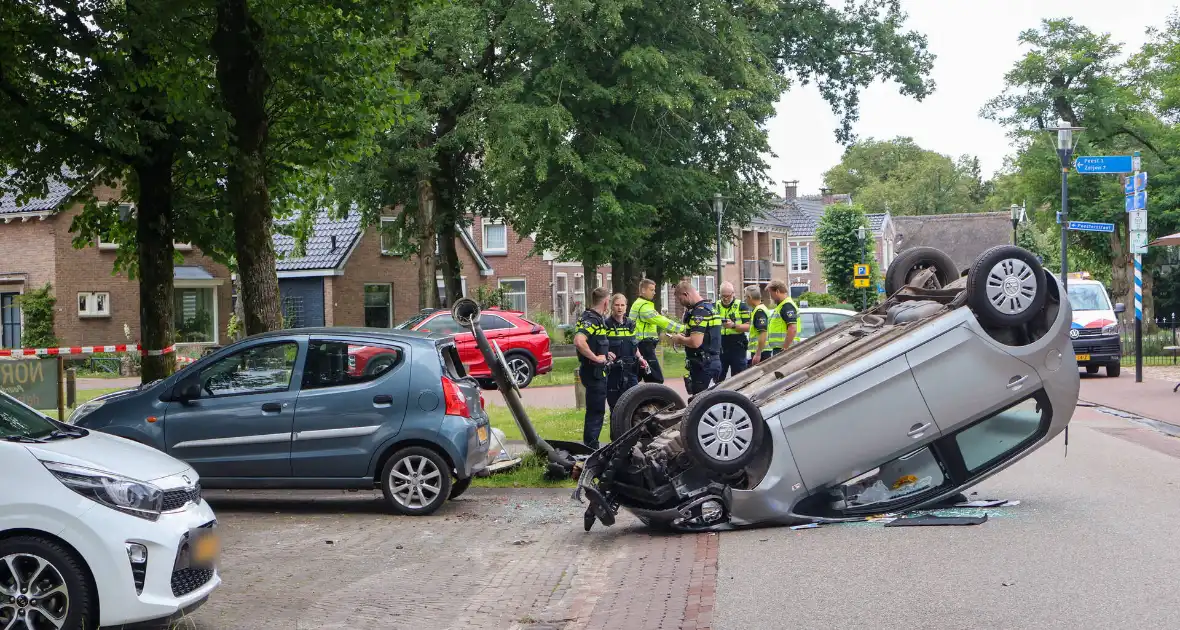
[84, 410]
[126, 495]
[1110, 329]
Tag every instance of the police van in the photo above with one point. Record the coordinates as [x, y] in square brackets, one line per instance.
[1095, 330]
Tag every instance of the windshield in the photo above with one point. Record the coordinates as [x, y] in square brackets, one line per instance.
[17, 420]
[413, 321]
[1088, 297]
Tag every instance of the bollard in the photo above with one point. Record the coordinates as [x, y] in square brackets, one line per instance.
[71, 387]
[579, 391]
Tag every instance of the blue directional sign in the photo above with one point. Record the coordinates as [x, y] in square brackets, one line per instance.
[1087, 164]
[1129, 186]
[1089, 226]
[1140, 182]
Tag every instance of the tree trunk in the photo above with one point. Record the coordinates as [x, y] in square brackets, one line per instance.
[1148, 300]
[452, 269]
[427, 241]
[1122, 277]
[590, 271]
[153, 233]
[244, 82]
[657, 276]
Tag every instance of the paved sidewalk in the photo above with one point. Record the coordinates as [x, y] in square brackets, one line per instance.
[1153, 398]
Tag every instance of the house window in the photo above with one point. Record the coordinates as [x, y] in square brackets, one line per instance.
[609, 283]
[577, 295]
[561, 298]
[776, 251]
[597, 280]
[665, 304]
[706, 286]
[10, 320]
[515, 291]
[379, 305]
[442, 289]
[194, 314]
[393, 238]
[727, 251]
[495, 237]
[94, 304]
[801, 257]
[126, 211]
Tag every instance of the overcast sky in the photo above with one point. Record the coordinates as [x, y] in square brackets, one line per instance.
[975, 44]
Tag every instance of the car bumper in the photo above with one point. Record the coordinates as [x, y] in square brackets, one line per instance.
[545, 364]
[470, 439]
[1098, 350]
[171, 588]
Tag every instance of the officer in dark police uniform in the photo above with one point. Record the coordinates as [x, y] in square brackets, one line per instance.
[701, 339]
[593, 346]
[626, 362]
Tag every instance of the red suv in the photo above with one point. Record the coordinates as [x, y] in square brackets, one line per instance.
[525, 345]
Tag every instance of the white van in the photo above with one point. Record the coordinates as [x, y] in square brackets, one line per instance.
[1095, 329]
[96, 529]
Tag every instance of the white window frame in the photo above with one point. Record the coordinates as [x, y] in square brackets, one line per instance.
[597, 280]
[488, 251]
[778, 248]
[110, 247]
[805, 259]
[563, 314]
[610, 283]
[524, 291]
[206, 284]
[91, 310]
[665, 297]
[381, 237]
[377, 284]
[711, 288]
[729, 251]
[438, 282]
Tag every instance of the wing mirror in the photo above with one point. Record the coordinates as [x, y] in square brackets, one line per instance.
[188, 389]
[1119, 307]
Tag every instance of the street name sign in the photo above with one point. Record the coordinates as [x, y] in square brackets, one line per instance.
[1104, 164]
[1090, 226]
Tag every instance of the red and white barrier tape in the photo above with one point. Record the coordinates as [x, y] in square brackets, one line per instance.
[76, 350]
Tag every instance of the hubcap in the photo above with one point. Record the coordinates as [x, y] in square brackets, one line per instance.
[1011, 286]
[519, 369]
[33, 594]
[415, 481]
[725, 432]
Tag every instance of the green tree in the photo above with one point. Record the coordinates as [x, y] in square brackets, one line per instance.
[899, 177]
[113, 92]
[840, 249]
[632, 114]
[37, 309]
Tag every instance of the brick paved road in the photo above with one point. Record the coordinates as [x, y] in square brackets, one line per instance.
[492, 559]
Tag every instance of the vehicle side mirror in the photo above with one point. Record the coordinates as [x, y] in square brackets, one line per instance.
[188, 389]
[1119, 307]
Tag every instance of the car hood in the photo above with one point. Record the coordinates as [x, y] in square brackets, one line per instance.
[1093, 319]
[110, 453]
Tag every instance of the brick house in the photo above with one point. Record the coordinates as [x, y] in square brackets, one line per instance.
[95, 305]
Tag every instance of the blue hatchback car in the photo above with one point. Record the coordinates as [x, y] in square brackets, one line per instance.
[346, 408]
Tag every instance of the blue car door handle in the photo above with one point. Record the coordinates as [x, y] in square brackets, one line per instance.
[272, 407]
[383, 399]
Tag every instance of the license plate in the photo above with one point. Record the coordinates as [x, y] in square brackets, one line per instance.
[205, 547]
[1083, 357]
[482, 432]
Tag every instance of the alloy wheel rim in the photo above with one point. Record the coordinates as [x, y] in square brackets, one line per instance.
[519, 369]
[725, 432]
[1011, 286]
[415, 482]
[33, 593]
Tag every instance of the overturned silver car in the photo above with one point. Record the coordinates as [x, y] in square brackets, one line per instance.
[953, 378]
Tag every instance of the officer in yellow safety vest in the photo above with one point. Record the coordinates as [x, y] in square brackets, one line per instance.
[649, 323]
[735, 323]
[759, 325]
[783, 329]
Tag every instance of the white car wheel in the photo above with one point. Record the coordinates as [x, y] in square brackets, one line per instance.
[1011, 286]
[725, 432]
[1006, 286]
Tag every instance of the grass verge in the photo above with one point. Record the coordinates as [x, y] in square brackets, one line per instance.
[672, 364]
[83, 396]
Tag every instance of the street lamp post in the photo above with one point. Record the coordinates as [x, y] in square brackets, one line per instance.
[1065, 147]
[860, 236]
[1017, 217]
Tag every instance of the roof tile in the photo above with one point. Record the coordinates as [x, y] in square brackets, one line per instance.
[319, 253]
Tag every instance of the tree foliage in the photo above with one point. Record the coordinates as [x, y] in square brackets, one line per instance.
[840, 249]
[37, 310]
[899, 177]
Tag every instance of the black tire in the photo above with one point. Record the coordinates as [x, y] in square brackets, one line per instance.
[731, 448]
[459, 487]
[1091, 369]
[80, 599]
[1113, 369]
[436, 468]
[633, 406]
[1006, 286]
[526, 366]
[379, 365]
[916, 259]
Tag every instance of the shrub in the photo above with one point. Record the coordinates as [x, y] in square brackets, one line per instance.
[37, 307]
[818, 299]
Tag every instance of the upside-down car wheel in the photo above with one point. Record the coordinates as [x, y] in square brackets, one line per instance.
[912, 262]
[722, 429]
[639, 403]
[1006, 286]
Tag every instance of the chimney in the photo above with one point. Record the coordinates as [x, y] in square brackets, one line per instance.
[827, 195]
[792, 190]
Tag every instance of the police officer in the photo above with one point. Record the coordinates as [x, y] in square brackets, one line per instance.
[735, 323]
[649, 323]
[701, 339]
[783, 328]
[759, 324]
[625, 361]
[593, 346]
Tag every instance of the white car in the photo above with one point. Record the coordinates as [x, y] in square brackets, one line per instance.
[96, 529]
[814, 320]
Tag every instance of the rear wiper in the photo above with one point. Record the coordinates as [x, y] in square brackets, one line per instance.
[22, 438]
